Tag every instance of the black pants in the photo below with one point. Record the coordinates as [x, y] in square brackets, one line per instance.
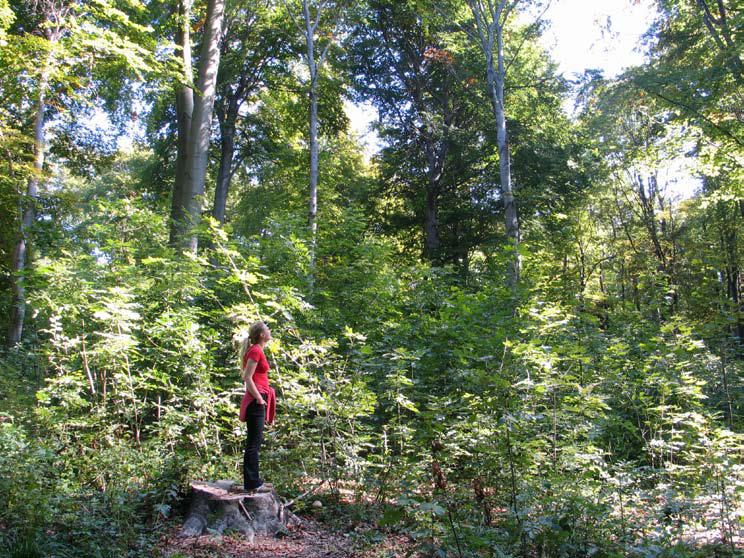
[255, 423]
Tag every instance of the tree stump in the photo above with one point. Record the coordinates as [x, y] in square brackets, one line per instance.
[221, 506]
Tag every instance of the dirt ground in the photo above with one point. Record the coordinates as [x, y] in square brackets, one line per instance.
[310, 540]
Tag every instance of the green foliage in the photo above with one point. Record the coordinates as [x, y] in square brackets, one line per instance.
[594, 410]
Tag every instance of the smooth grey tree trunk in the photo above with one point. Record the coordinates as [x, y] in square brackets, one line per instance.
[20, 251]
[197, 141]
[309, 26]
[496, 85]
[490, 20]
[184, 112]
[313, 67]
[201, 125]
[435, 160]
[313, 201]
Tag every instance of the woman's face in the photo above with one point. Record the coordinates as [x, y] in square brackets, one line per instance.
[266, 335]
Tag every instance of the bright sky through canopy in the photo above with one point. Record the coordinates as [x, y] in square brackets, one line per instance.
[599, 34]
[605, 35]
[608, 35]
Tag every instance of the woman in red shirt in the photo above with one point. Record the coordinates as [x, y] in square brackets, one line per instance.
[259, 402]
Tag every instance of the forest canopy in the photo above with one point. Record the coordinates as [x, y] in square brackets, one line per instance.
[498, 333]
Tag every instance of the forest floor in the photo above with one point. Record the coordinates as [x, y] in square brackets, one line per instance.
[341, 526]
[310, 540]
[347, 527]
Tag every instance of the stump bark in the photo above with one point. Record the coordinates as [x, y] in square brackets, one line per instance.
[220, 506]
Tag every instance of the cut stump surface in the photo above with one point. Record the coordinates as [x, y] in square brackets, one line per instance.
[221, 506]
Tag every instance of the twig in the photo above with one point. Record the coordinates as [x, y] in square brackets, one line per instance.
[245, 511]
[307, 492]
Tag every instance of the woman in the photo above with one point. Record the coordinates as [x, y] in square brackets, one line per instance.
[259, 402]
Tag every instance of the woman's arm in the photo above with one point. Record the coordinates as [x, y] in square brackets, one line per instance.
[250, 368]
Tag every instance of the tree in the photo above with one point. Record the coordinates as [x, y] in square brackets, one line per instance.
[722, 22]
[194, 114]
[317, 22]
[426, 97]
[491, 18]
[255, 48]
[54, 40]
[638, 140]
[695, 73]
[692, 83]
[52, 15]
[695, 68]
[184, 113]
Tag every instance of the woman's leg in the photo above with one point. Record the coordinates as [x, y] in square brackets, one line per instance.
[255, 423]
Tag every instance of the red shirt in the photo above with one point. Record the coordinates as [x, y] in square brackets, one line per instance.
[261, 374]
[261, 379]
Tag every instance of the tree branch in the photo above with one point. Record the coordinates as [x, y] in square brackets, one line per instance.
[691, 110]
[292, 16]
[524, 39]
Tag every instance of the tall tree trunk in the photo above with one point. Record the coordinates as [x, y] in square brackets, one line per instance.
[490, 18]
[430, 223]
[197, 146]
[496, 84]
[184, 113]
[435, 160]
[201, 124]
[20, 251]
[733, 291]
[729, 408]
[313, 208]
[649, 199]
[313, 68]
[227, 154]
[730, 243]
[648, 210]
[239, 79]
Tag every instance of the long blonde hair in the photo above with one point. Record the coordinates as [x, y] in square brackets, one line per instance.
[253, 337]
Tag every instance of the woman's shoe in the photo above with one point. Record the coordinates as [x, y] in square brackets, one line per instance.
[254, 489]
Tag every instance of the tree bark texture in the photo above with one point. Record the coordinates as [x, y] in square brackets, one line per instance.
[184, 112]
[218, 506]
[227, 154]
[490, 22]
[313, 67]
[197, 141]
[20, 250]
[507, 193]
[313, 203]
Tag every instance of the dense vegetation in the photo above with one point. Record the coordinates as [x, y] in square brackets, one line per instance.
[501, 334]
